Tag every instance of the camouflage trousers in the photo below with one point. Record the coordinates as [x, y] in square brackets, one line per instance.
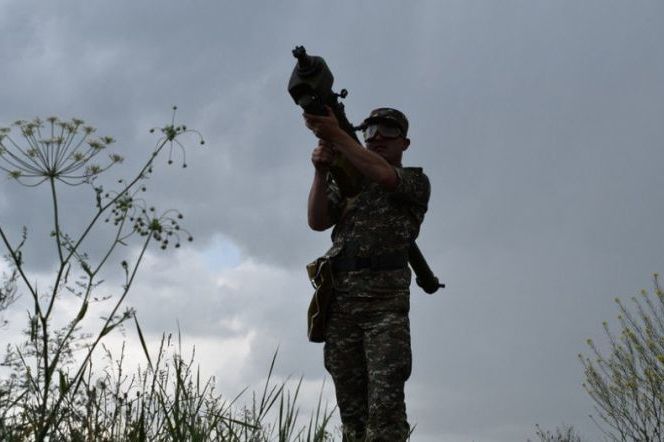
[367, 353]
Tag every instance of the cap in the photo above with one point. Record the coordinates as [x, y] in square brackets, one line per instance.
[388, 115]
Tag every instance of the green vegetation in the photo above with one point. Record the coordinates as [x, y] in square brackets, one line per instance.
[52, 391]
[626, 381]
[627, 384]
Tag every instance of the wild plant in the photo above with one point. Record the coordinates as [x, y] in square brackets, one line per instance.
[53, 390]
[627, 382]
[49, 369]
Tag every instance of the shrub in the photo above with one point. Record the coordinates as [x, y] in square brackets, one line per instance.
[626, 383]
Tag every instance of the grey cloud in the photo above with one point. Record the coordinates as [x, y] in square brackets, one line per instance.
[539, 125]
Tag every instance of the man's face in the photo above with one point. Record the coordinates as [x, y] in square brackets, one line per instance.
[387, 141]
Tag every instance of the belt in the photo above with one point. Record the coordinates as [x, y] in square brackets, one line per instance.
[389, 261]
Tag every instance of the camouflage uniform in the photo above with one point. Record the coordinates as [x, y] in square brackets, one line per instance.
[367, 346]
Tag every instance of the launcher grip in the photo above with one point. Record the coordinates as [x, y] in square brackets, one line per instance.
[424, 277]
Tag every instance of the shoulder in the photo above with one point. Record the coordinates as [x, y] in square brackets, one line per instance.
[416, 171]
[413, 185]
[412, 174]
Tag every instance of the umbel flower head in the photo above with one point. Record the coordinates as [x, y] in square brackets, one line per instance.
[170, 134]
[164, 228]
[53, 150]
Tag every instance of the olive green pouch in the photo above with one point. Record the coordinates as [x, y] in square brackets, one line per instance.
[320, 275]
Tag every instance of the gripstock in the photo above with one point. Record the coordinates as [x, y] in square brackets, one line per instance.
[310, 86]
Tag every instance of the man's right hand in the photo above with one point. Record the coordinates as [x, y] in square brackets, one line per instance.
[322, 156]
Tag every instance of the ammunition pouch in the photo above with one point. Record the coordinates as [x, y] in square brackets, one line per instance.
[320, 275]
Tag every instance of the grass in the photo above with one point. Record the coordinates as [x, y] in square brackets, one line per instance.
[166, 401]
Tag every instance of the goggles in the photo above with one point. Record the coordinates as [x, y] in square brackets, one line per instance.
[385, 130]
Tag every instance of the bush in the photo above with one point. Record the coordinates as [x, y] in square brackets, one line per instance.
[626, 384]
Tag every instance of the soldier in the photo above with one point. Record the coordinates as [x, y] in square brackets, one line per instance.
[367, 341]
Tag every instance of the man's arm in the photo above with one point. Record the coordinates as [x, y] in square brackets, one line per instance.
[318, 209]
[370, 164]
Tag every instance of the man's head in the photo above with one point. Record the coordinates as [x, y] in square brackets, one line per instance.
[385, 131]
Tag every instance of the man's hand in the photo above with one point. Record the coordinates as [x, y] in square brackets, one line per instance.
[318, 214]
[325, 127]
[322, 156]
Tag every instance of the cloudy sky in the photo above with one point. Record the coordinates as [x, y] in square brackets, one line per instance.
[539, 124]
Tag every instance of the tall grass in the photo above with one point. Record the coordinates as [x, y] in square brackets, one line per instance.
[165, 401]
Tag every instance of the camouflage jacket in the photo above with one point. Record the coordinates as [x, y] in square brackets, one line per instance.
[377, 222]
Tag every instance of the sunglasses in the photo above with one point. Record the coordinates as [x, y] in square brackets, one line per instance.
[385, 130]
